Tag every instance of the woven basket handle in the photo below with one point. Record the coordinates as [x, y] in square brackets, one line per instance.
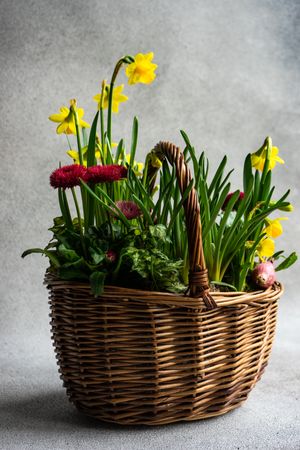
[198, 276]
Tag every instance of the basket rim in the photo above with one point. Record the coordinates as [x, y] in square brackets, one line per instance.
[222, 299]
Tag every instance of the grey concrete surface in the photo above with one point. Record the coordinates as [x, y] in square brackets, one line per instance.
[229, 75]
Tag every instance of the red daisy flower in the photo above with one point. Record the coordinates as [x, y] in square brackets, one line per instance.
[105, 174]
[67, 176]
[235, 206]
[129, 208]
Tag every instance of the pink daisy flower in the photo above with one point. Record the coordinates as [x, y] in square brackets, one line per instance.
[129, 208]
[105, 174]
[67, 176]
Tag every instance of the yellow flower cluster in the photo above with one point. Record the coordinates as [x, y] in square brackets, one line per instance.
[272, 230]
[141, 70]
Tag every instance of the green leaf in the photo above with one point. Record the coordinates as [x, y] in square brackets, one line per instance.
[54, 260]
[134, 137]
[265, 186]
[92, 142]
[179, 206]
[64, 207]
[68, 254]
[162, 197]
[256, 188]
[215, 211]
[247, 175]
[277, 255]
[144, 210]
[186, 138]
[109, 158]
[97, 255]
[218, 176]
[268, 145]
[119, 151]
[290, 260]
[111, 209]
[97, 283]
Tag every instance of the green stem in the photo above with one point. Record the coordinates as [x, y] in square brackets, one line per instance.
[79, 220]
[102, 131]
[125, 60]
[69, 143]
[77, 133]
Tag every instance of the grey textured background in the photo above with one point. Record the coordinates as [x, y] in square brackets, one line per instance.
[229, 75]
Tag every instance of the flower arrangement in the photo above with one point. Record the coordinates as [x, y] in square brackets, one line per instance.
[121, 222]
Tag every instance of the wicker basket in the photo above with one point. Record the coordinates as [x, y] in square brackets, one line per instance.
[141, 357]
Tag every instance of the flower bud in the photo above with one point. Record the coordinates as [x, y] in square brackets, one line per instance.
[263, 274]
[111, 256]
[287, 208]
[228, 197]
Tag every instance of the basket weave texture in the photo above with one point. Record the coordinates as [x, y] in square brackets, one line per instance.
[142, 357]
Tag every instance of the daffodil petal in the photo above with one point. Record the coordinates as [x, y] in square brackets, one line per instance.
[83, 124]
[149, 56]
[80, 112]
[61, 128]
[57, 117]
[64, 110]
[97, 97]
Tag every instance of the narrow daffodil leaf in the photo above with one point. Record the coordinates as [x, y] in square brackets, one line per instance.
[218, 176]
[119, 151]
[134, 137]
[247, 174]
[144, 210]
[110, 206]
[290, 260]
[179, 206]
[108, 158]
[64, 207]
[92, 142]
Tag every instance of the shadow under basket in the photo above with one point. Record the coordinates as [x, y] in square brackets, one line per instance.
[140, 357]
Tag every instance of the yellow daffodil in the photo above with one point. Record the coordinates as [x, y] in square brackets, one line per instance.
[258, 158]
[137, 166]
[118, 98]
[155, 161]
[265, 248]
[274, 227]
[75, 155]
[66, 119]
[142, 69]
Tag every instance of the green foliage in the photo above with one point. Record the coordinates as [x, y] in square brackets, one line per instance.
[152, 247]
[143, 260]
